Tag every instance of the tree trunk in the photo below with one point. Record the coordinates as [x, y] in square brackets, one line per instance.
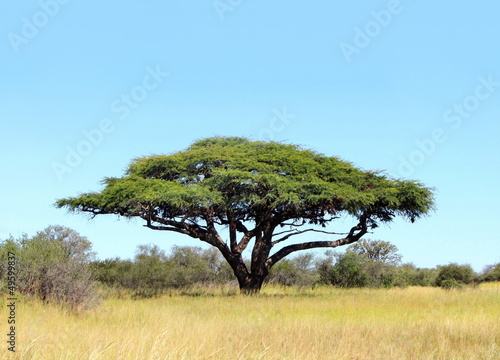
[251, 285]
[251, 280]
[248, 282]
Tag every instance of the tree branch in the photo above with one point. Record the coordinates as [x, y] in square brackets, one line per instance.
[193, 230]
[297, 232]
[293, 224]
[354, 235]
[232, 232]
[166, 228]
[242, 245]
[287, 250]
[304, 217]
[284, 232]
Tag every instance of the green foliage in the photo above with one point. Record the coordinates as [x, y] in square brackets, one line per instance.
[365, 263]
[454, 275]
[242, 177]
[410, 275]
[192, 270]
[348, 270]
[378, 260]
[491, 273]
[357, 269]
[380, 274]
[298, 271]
[114, 273]
[53, 265]
[450, 283]
[148, 273]
[377, 250]
[191, 265]
[152, 272]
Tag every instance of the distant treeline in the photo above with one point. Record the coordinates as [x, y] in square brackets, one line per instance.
[58, 265]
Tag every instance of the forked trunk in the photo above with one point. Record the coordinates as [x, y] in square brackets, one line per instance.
[251, 285]
[251, 280]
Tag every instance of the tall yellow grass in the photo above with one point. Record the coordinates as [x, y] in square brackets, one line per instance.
[413, 323]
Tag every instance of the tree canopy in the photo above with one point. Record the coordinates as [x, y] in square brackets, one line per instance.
[254, 189]
[377, 250]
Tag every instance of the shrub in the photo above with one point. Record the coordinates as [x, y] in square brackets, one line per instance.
[348, 270]
[451, 284]
[149, 273]
[454, 275]
[192, 265]
[113, 272]
[53, 266]
[152, 272]
[410, 275]
[491, 273]
[298, 271]
[379, 274]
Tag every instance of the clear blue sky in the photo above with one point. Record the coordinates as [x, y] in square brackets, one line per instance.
[410, 87]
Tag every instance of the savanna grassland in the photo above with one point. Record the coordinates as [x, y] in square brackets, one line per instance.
[324, 323]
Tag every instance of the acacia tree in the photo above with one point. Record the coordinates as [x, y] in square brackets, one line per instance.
[259, 193]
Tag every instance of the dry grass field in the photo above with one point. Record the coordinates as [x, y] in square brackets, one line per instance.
[325, 323]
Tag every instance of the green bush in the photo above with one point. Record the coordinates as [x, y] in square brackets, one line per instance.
[192, 265]
[491, 273]
[114, 273]
[153, 272]
[451, 284]
[54, 266]
[410, 275]
[454, 275]
[298, 271]
[347, 271]
[379, 274]
[149, 273]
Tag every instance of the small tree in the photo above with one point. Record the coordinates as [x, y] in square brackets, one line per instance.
[377, 250]
[382, 258]
[263, 193]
